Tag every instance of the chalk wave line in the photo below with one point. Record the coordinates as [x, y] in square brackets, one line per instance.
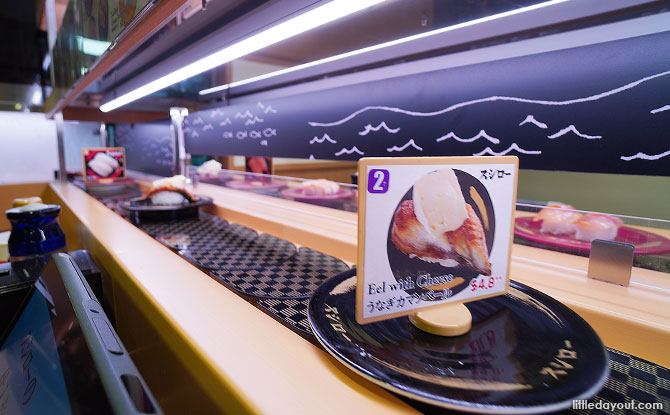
[246, 114]
[530, 119]
[490, 99]
[352, 150]
[643, 156]
[513, 147]
[369, 127]
[661, 109]
[253, 121]
[480, 134]
[408, 144]
[325, 137]
[573, 129]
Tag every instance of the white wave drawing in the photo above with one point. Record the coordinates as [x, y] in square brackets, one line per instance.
[225, 122]
[661, 109]
[260, 105]
[253, 121]
[195, 134]
[241, 135]
[311, 156]
[255, 134]
[227, 134]
[187, 130]
[353, 150]
[216, 112]
[571, 128]
[480, 134]
[369, 127]
[408, 144]
[198, 121]
[269, 109]
[246, 114]
[643, 156]
[325, 137]
[186, 121]
[269, 132]
[530, 119]
[207, 126]
[513, 147]
[264, 143]
[490, 99]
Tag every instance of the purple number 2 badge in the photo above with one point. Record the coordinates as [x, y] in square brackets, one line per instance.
[378, 181]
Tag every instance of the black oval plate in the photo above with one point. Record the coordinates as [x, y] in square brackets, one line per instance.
[141, 209]
[526, 352]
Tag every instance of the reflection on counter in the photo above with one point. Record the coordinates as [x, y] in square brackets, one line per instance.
[320, 192]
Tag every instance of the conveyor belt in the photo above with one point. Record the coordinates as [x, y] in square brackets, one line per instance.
[268, 273]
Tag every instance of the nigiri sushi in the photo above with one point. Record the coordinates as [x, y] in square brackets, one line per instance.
[209, 168]
[103, 164]
[320, 187]
[558, 219]
[597, 226]
[170, 191]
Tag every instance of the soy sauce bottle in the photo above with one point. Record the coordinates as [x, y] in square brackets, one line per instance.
[35, 234]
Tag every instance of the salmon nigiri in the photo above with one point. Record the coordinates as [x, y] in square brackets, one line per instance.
[597, 226]
[558, 219]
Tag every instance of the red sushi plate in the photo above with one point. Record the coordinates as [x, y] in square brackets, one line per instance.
[646, 243]
[255, 184]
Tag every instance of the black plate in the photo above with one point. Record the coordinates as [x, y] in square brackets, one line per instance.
[526, 352]
[142, 210]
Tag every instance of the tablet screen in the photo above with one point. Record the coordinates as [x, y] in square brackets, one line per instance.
[45, 364]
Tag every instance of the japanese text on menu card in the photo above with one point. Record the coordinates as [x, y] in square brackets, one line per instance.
[432, 230]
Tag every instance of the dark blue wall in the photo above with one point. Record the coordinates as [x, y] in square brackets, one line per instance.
[148, 146]
[599, 108]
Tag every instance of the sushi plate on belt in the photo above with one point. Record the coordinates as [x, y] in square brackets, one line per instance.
[526, 352]
[646, 243]
[298, 193]
[141, 209]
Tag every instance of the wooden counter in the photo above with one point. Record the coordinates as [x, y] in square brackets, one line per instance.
[203, 349]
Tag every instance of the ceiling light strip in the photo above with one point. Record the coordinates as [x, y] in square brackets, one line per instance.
[321, 15]
[381, 46]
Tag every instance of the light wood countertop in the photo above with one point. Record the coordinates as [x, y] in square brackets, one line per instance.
[246, 361]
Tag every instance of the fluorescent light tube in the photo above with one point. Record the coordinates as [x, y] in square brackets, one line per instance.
[309, 20]
[380, 46]
[91, 46]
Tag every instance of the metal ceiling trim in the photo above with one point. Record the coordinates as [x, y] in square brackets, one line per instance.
[532, 20]
[160, 12]
[271, 13]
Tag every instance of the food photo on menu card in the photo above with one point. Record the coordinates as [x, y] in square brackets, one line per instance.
[434, 232]
[104, 163]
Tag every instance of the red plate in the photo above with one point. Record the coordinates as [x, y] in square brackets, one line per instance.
[252, 185]
[298, 193]
[646, 243]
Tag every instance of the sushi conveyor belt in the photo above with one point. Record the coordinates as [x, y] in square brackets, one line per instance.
[279, 278]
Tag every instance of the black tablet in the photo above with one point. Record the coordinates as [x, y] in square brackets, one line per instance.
[60, 355]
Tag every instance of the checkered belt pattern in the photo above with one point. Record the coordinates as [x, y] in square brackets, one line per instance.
[298, 276]
[285, 280]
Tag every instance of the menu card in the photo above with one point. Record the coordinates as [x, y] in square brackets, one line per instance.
[432, 230]
[104, 163]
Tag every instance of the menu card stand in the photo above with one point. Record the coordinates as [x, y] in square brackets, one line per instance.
[453, 319]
